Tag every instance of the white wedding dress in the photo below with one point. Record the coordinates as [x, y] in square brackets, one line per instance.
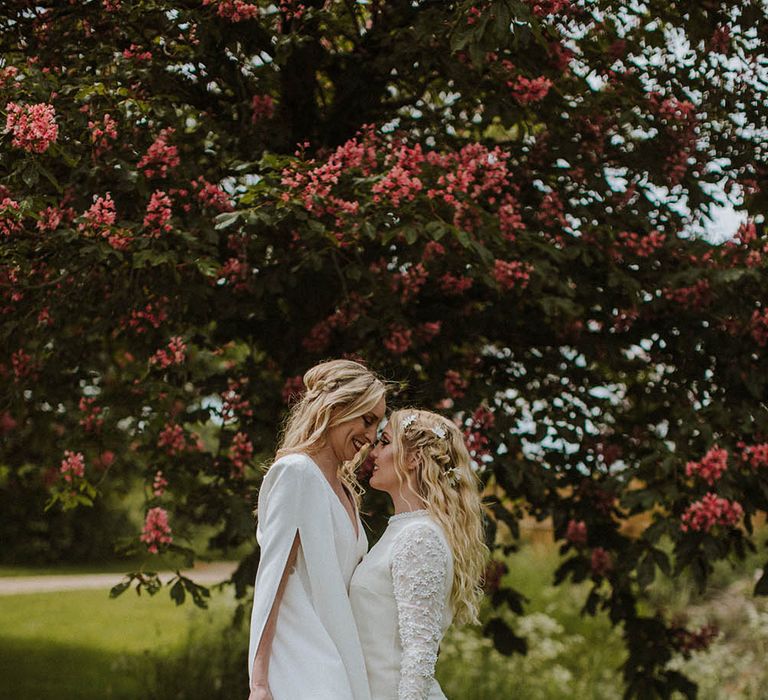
[400, 596]
[316, 653]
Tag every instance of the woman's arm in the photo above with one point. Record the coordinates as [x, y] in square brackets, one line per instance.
[420, 580]
[260, 680]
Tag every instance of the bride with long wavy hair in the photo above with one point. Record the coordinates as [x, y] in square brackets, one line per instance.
[426, 569]
[304, 641]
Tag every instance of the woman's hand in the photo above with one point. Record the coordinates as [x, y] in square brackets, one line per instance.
[260, 691]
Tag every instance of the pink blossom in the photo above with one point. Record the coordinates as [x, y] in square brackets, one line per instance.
[175, 354]
[158, 213]
[527, 91]
[703, 515]
[694, 297]
[236, 273]
[100, 215]
[22, 365]
[432, 250]
[262, 108]
[319, 337]
[756, 455]
[429, 330]
[111, 5]
[240, 451]
[759, 327]
[410, 281]
[153, 314]
[50, 218]
[551, 211]
[711, 468]
[455, 284]
[135, 52]
[234, 10]
[455, 385]
[543, 8]
[642, 245]
[601, 562]
[156, 529]
[10, 217]
[159, 484]
[8, 74]
[160, 156]
[476, 432]
[92, 420]
[510, 220]
[576, 533]
[399, 340]
[172, 439]
[34, 126]
[233, 403]
[512, 275]
[72, 466]
[211, 195]
[7, 422]
[720, 41]
[103, 133]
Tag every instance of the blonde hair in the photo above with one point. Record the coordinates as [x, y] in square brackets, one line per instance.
[336, 392]
[450, 491]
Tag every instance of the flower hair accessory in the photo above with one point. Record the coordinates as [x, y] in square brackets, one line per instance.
[453, 476]
[407, 421]
[439, 430]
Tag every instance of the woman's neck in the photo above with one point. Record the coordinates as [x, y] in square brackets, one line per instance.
[405, 499]
[329, 464]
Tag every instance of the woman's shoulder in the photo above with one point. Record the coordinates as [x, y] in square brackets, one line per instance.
[421, 532]
[294, 467]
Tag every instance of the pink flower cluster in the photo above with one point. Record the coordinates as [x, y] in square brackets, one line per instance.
[401, 182]
[694, 297]
[601, 562]
[455, 285]
[10, 217]
[51, 217]
[102, 133]
[529, 90]
[236, 273]
[233, 403]
[234, 10]
[454, 384]
[687, 641]
[8, 74]
[432, 250]
[320, 335]
[640, 245]
[511, 275]
[262, 108]
[100, 215]
[34, 126]
[22, 365]
[153, 314]
[156, 530]
[712, 466]
[135, 52]
[92, 421]
[543, 8]
[510, 219]
[759, 327]
[240, 452]
[159, 484]
[160, 156]
[111, 5]
[158, 214]
[576, 532]
[703, 515]
[410, 282]
[72, 466]
[174, 354]
[211, 195]
[399, 339]
[172, 439]
[475, 432]
[756, 455]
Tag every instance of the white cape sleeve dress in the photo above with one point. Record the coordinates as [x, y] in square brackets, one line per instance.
[316, 653]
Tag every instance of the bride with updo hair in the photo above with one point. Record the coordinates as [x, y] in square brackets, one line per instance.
[304, 643]
[426, 569]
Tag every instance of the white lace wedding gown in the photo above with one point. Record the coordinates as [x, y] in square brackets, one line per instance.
[316, 653]
[400, 595]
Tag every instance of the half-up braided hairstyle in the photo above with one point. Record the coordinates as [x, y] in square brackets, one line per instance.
[336, 392]
[450, 491]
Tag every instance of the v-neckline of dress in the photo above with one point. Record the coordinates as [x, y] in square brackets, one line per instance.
[353, 522]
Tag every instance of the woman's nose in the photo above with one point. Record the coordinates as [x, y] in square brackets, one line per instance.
[370, 433]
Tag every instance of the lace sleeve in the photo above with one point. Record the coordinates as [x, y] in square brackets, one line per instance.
[419, 573]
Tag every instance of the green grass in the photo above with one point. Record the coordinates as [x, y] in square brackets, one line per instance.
[84, 645]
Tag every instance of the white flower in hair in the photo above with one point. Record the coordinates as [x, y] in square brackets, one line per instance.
[407, 421]
[453, 476]
[439, 430]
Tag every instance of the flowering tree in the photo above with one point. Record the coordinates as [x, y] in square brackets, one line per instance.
[494, 203]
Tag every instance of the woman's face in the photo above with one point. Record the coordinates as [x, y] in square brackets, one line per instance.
[348, 438]
[384, 474]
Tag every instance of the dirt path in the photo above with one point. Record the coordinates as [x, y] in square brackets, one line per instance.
[206, 574]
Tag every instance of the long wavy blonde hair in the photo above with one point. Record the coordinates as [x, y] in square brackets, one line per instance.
[336, 392]
[450, 491]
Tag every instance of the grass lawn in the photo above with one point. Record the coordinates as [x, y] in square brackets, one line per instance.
[84, 645]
